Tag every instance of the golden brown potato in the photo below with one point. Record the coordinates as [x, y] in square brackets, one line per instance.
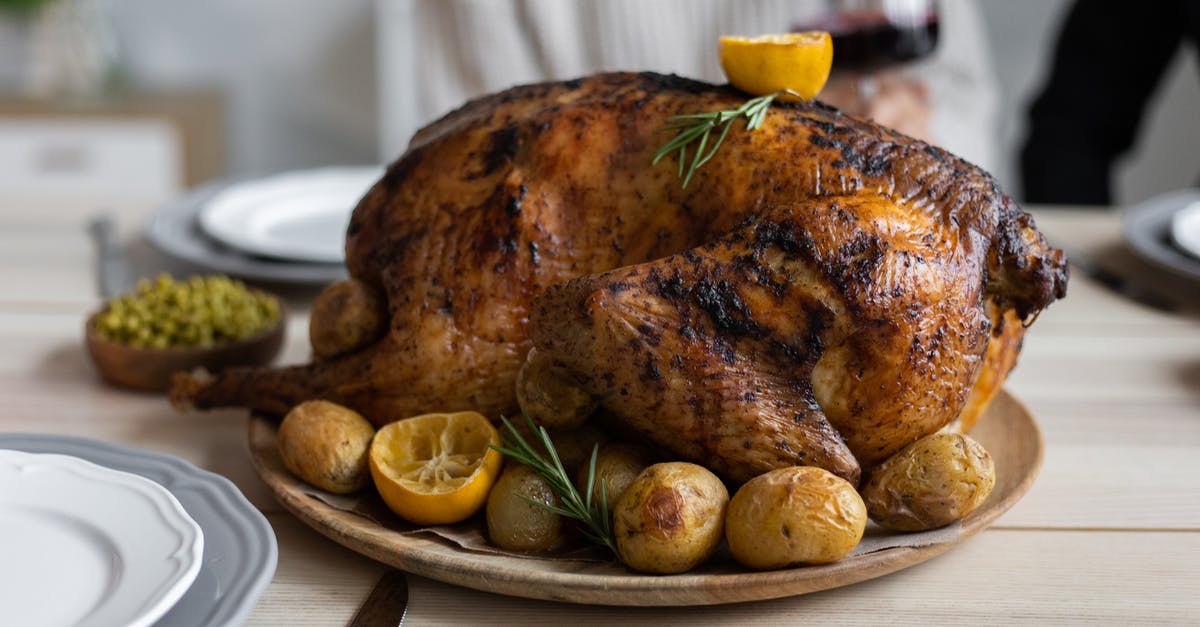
[617, 465]
[797, 515]
[671, 518]
[518, 525]
[326, 445]
[548, 397]
[346, 316]
[930, 483]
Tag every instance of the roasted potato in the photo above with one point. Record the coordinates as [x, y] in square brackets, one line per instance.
[346, 316]
[617, 465]
[549, 397]
[575, 446]
[671, 518]
[930, 483]
[326, 445]
[797, 515]
[518, 525]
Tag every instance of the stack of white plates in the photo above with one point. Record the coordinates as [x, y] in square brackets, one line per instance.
[93, 533]
[290, 227]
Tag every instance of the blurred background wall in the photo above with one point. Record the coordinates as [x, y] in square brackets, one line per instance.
[301, 85]
[298, 75]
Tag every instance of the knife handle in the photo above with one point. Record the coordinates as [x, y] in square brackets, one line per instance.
[386, 603]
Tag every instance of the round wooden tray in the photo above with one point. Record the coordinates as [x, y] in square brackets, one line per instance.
[1008, 431]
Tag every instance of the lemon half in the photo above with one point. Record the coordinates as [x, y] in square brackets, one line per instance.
[763, 65]
[435, 469]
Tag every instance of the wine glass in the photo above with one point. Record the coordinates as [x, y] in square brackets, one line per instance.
[872, 42]
[869, 35]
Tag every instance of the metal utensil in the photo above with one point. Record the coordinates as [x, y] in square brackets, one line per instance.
[386, 604]
[114, 275]
[1122, 285]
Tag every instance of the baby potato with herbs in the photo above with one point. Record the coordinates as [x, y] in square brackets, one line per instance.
[575, 446]
[930, 483]
[326, 445]
[617, 465]
[796, 515]
[671, 518]
[518, 525]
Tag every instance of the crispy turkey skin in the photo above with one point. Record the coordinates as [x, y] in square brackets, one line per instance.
[823, 292]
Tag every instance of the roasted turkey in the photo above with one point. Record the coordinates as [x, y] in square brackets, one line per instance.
[823, 292]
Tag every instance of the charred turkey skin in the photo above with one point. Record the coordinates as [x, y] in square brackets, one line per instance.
[848, 278]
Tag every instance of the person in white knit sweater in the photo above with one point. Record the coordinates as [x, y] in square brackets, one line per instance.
[437, 54]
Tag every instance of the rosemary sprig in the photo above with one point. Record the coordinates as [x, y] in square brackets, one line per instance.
[699, 127]
[595, 523]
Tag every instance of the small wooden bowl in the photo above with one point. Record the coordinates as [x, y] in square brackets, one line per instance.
[150, 369]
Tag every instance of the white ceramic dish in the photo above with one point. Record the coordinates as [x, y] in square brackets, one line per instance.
[175, 231]
[87, 545]
[1185, 229]
[240, 551]
[295, 216]
[1148, 226]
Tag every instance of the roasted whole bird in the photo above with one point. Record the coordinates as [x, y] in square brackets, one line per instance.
[824, 292]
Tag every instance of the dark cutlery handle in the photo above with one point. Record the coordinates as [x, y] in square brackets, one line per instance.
[1123, 286]
[386, 603]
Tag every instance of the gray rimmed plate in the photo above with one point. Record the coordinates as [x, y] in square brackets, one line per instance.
[1147, 230]
[174, 229]
[240, 551]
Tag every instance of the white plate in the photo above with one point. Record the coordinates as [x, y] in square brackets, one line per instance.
[240, 551]
[1185, 229]
[298, 216]
[1147, 227]
[86, 545]
[173, 230]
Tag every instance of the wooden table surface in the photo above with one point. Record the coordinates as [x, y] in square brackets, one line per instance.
[1109, 533]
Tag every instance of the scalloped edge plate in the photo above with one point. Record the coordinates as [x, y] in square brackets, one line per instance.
[240, 550]
[88, 545]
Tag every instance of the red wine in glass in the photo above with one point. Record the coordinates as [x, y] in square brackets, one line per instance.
[868, 36]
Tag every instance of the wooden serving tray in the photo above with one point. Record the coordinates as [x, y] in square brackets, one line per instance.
[1007, 430]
